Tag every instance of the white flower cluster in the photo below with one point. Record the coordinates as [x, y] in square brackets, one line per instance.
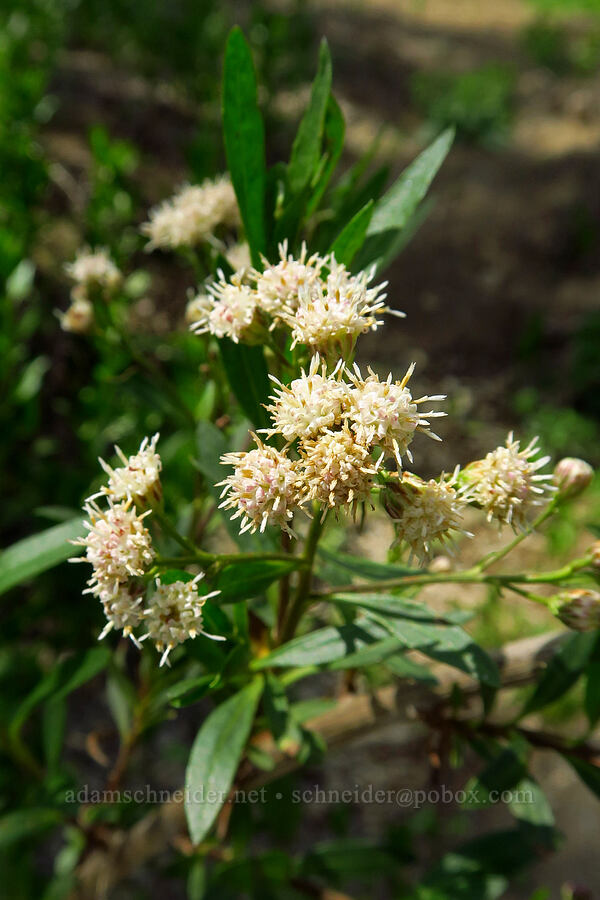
[138, 479]
[192, 215]
[427, 511]
[96, 277]
[338, 421]
[507, 484]
[119, 548]
[174, 614]
[322, 304]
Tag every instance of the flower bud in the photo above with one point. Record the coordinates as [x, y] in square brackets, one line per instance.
[572, 476]
[578, 609]
[595, 554]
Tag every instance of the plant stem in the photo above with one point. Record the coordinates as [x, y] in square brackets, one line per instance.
[495, 555]
[170, 529]
[296, 607]
[469, 576]
[284, 585]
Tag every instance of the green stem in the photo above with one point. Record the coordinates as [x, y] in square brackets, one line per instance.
[147, 364]
[296, 607]
[168, 527]
[469, 576]
[496, 555]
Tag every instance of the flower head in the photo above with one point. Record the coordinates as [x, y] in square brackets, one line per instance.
[79, 317]
[572, 476]
[578, 609]
[311, 403]
[174, 614]
[426, 511]
[333, 312]
[138, 479]
[384, 414]
[335, 469]
[94, 270]
[118, 545]
[279, 285]
[192, 214]
[262, 488]
[123, 609]
[229, 310]
[506, 484]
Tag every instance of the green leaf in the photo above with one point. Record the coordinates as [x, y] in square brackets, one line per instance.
[352, 236]
[335, 129]
[215, 756]
[389, 605]
[530, 804]
[53, 731]
[248, 378]
[562, 671]
[370, 655]
[246, 579]
[189, 691]
[404, 667]
[306, 149]
[24, 823]
[446, 643]
[244, 137]
[366, 568]
[65, 676]
[592, 686]
[318, 647]
[395, 209]
[37, 553]
[589, 773]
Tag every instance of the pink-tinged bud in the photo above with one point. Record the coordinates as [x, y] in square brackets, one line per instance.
[578, 609]
[572, 476]
[595, 554]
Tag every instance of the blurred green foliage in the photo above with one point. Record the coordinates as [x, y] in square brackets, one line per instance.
[551, 45]
[478, 103]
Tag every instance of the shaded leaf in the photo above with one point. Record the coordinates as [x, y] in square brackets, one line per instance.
[37, 553]
[562, 671]
[244, 137]
[395, 209]
[24, 823]
[215, 756]
[248, 378]
[352, 236]
[306, 149]
[246, 579]
[318, 647]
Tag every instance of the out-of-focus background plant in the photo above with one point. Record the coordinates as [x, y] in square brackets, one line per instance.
[105, 109]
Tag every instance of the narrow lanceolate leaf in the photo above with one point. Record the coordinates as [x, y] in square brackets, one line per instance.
[244, 136]
[589, 773]
[248, 377]
[64, 678]
[366, 568]
[249, 578]
[352, 236]
[215, 756]
[37, 553]
[320, 647]
[306, 149]
[563, 670]
[23, 823]
[395, 209]
[334, 132]
[445, 643]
